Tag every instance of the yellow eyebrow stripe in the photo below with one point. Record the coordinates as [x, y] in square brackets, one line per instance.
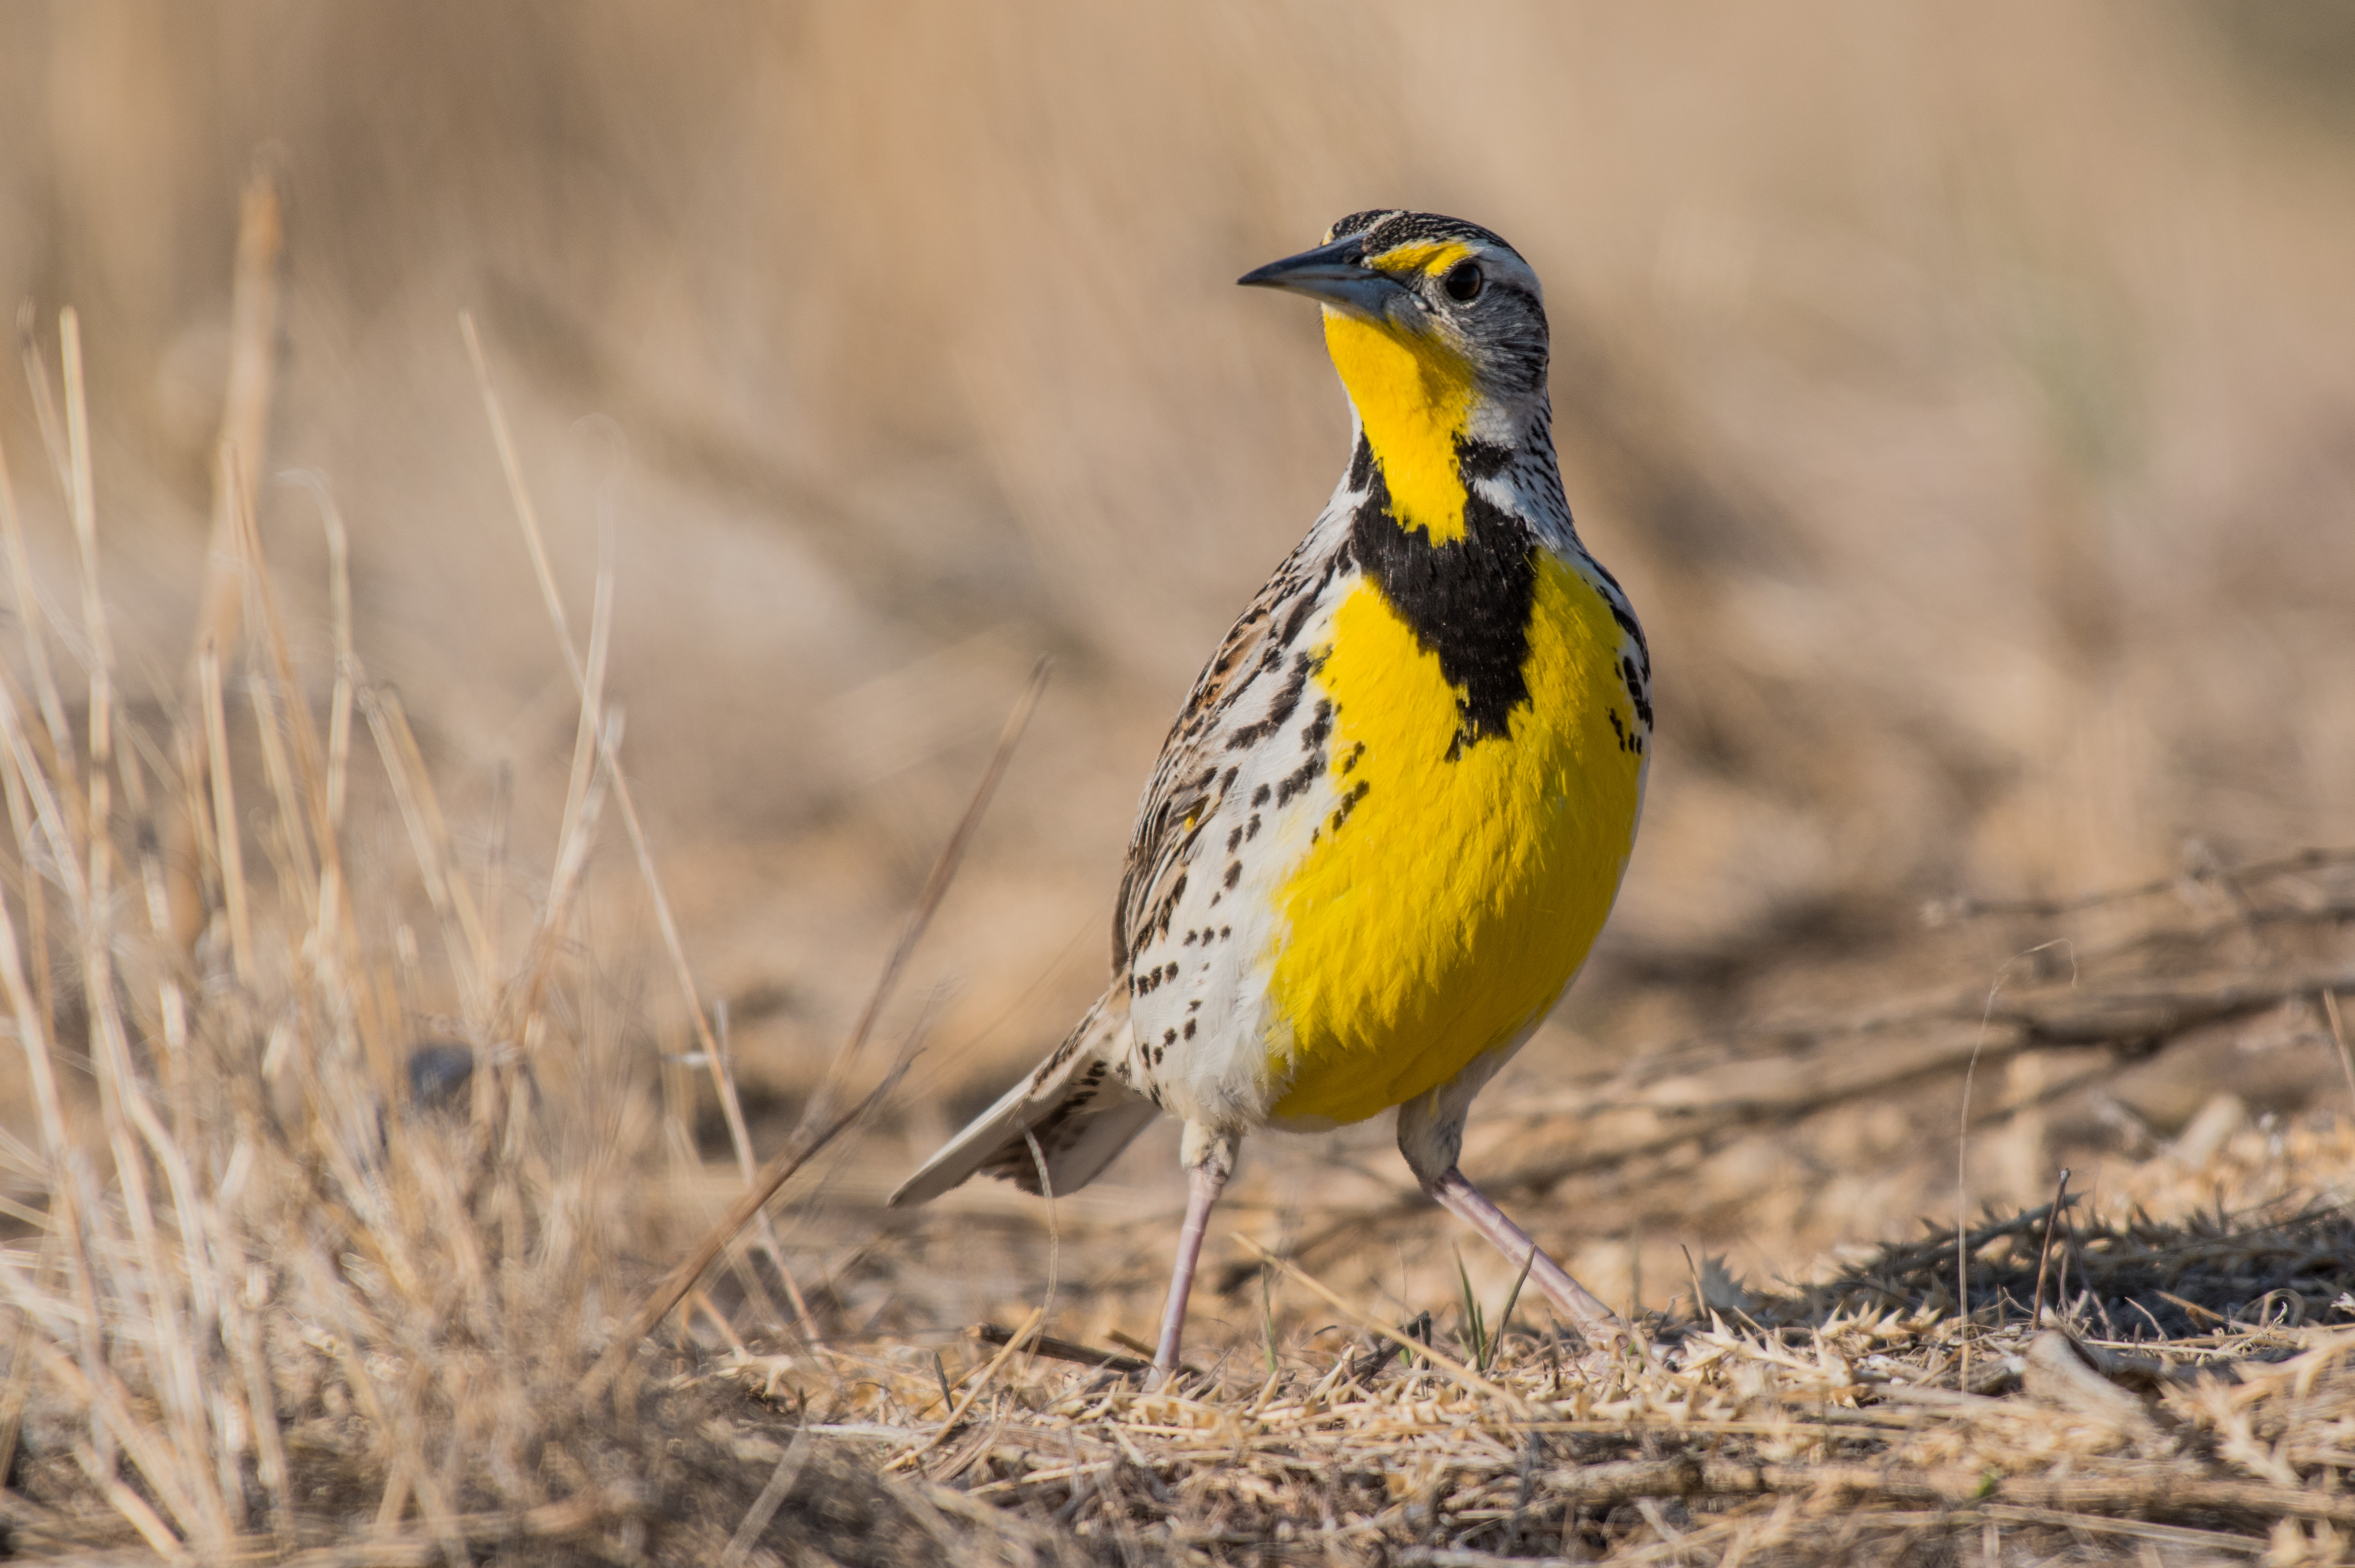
[1427, 256]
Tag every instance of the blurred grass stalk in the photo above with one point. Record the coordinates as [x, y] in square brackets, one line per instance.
[280, 1221]
[255, 1196]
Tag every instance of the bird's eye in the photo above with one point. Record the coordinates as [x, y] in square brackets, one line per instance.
[1463, 282]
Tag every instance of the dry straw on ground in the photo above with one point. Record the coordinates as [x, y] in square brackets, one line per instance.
[282, 1282]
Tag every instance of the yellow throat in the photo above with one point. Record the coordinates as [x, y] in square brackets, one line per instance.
[1415, 394]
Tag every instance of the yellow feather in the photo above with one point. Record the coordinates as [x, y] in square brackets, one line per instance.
[1427, 256]
[1448, 911]
[1415, 396]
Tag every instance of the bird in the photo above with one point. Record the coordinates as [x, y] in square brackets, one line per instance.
[1396, 808]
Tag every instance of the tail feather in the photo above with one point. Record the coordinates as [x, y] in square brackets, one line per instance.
[1076, 1109]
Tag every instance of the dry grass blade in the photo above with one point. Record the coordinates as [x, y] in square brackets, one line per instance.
[682, 1278]
[266, 628]
[290, 845]
[428, 836]
[2044, 1247]
[981, 1381]
[30, 622]
[1438, 1358]
[595, 756]
[45, 397]
[944, 867]
[33, 1038]
[331, 786]
[528, 521]
[1067, 1350]
[245, 409]
[588, 749]
[84, 506]
[588, 684]
[2330, 997]
[227, 832]
[765, 1506]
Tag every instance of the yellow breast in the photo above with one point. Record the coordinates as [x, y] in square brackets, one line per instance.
[1465, 885]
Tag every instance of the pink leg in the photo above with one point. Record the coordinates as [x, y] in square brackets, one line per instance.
[1203, 1184]
[1454, 1192]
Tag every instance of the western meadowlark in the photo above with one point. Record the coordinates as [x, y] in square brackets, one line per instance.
[1395, 811]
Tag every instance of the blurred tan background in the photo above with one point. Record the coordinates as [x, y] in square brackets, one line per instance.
[1963, 391]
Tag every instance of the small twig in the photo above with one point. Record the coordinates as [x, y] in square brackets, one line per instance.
[1054, 1225]
[2339, 1034]
[1435, 1356]
[2194, 1307]
[682, 1278]
[1963, 1174]
[936, 885]
[428, 835]
[45, 397]
[2068, 1245]
[1417, 1334]
[225, 819]
[1512, 1300]
[2044, 1252]
[1012, 1347]
[1056, 1350]
[1938, 913]
[527, 520]
[739, 1134]
[245, 409]
[1130, 1342]
[765, 1506]
[1962, 1210]
[593, 745]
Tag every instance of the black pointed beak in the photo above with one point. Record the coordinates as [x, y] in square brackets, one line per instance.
[1335, 274]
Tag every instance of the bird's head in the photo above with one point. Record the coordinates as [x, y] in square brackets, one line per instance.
[1422, 310]
[1439, 332]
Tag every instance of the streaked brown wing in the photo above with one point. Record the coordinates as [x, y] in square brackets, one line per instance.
[1196, 766]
